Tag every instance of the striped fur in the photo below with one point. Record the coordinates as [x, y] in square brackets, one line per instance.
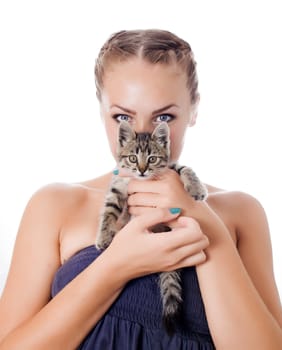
[145, 156]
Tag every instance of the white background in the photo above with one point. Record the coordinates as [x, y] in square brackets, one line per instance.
[50, 128]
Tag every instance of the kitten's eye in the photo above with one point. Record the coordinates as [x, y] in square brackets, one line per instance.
[152, 159]
[132, 159]
[121, 117]
[164, 118]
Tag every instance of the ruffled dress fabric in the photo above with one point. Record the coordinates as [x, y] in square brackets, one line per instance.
[134, 321]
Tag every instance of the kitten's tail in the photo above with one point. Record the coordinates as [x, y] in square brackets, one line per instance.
[171, 297]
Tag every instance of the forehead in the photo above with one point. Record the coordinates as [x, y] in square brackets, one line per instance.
[137, 80]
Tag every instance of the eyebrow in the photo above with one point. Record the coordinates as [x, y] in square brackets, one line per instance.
[160, 110]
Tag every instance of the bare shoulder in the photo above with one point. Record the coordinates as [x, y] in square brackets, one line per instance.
[238, 202]
[241, 212]
[246, 214]
[229, 195]
[59, 198]
[249, 209]
[58, 194]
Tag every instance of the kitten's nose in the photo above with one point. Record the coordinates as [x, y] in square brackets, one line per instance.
[142, 170]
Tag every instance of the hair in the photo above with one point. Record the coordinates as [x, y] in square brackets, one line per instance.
[152, 45]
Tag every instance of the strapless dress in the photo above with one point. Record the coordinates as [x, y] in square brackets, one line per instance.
[134, 320]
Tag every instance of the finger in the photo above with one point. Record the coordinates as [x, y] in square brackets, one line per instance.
[122, 172]
[192, 248]
[190, 225]
[192, 260]
[144, 199]
[185, 238]
[155, 216]
[187, 261]
[135, 185]
[186, 221]
[136, 211]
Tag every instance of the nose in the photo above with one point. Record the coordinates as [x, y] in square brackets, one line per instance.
[142, 126]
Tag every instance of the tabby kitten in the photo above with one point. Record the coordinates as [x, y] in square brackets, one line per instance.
[146, 155]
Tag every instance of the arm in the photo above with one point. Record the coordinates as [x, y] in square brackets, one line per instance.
[237, 315]
[28, 318]
[26, 315]
[254, 247]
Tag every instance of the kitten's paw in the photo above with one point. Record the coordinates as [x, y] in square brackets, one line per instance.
[193, 185]
[104, 239]
[101, 245]
[198, 191]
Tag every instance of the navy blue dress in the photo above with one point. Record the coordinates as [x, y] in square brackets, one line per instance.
[134, 322]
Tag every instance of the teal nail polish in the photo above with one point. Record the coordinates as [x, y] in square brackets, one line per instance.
[175, 210]
[115, 172]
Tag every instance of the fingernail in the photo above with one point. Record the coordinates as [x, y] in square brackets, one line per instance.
[115, 172]
[175, 210]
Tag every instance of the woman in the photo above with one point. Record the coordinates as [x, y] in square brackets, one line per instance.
[61, 293]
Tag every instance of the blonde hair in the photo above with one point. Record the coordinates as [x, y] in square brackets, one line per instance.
[152, 45]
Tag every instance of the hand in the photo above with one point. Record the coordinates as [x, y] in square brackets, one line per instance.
[165, 192]
[138, 252]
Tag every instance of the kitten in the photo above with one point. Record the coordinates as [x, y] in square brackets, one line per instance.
[146, 156]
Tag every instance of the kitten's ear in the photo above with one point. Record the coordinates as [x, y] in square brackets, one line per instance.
[125, 134]
[161, 134]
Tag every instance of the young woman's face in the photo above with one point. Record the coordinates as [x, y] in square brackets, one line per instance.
[146, 94]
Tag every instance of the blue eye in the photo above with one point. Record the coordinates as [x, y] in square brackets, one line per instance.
[121, 117]
[164, 118]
